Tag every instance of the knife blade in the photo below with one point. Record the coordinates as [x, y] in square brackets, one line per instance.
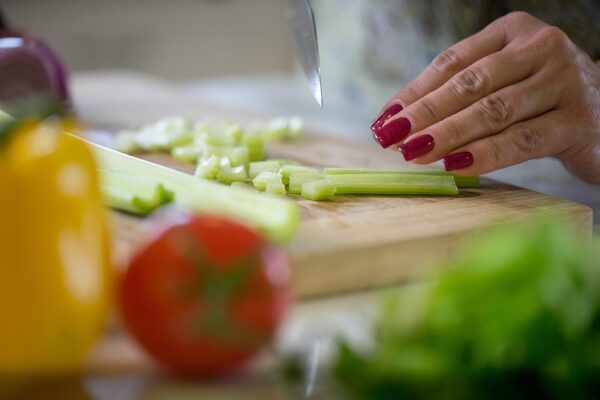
[303, 30]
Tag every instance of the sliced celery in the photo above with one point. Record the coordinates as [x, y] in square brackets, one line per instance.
[287, 170]
[275, 188]
[243, 185]
[461, 181]
[318, 190]
[255, 145]
[239, 156]
[297, 179]
[256, 167]
[134, 194]
[219, 151]
[275, 216]
[189, 153]
[208, 168]
[262, 179]
[393, 184]
[228, 175]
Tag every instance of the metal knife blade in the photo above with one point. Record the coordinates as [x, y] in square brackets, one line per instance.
[304, 38]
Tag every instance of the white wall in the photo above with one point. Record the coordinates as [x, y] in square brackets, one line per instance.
[176, 39]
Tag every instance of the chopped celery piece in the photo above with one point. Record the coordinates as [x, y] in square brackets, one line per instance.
[287, 170]
[239, 156]
[189, 153]
[461, 181]
[134, 194]
[256, 167]
[126, 142]
[298, 178]
[276, 217]
[219, 151]
[393, 184]
[282, 128]
[232, 174]
[262, 179]
[165, 134]
[234, 133]
[256, 147]
[318, 190]
[275, 188]
[208, 168]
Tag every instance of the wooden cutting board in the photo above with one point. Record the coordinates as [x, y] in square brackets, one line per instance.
[352, 242]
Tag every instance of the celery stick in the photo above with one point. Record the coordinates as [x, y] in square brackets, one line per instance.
[275, 216]
[239, 156]
[393, 184]
[228, 175]
[189, 153]
[255, 145]
[318, 190]
[298, 178]
[243, 185]
[461, 181]
[262, 179]
[275, 188]
[287, 170]
[219, 151]
[256, 167]
[208, 168]
[134, 194]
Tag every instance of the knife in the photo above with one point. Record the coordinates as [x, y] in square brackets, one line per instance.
[304, 38]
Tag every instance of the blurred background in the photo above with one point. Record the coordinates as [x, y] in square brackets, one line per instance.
[237, 54]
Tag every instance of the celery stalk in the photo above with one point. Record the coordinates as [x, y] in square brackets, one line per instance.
[287, 170]
[276, 217]
[275, 188]
[318, 190]
[256, 167]
[189, 153]
[461, 181]
[134, 194]
[208, 168]
[261, 181]
[228, 175]
[298, 178]
[393, 184]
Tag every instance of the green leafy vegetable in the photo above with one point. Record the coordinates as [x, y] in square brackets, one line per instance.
[517, 316]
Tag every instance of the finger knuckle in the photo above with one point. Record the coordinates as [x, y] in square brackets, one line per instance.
[497, 110]
[527, 139]
[495, 154]
[472, 81]
[409, 94]
[453, 132]
[429, 108]
[448, 62]
[518, 18]
[553, 37]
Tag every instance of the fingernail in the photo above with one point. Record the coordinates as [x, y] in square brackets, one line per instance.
[416, 147]
[386, 114]
[458, 160]
[393, 132]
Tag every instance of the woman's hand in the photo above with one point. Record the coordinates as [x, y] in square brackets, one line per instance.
[517, 90]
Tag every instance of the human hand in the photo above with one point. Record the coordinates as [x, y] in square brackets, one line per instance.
[517, 90]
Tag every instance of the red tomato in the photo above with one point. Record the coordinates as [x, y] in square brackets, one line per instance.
[205, 295]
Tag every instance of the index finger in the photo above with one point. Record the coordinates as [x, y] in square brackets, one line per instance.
[444, 66]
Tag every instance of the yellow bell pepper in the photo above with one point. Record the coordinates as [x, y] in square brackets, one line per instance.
[54, 249]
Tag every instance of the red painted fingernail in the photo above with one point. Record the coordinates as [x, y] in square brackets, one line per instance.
[460, 160]
[417, 147]
[386, 114]
[392, 132]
